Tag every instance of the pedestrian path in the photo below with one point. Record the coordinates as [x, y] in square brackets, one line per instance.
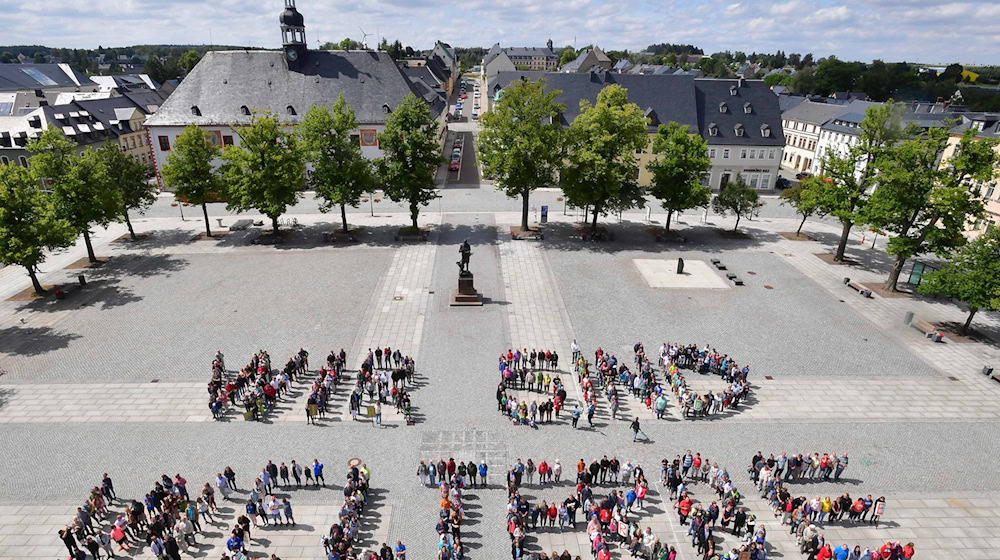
[104, 402]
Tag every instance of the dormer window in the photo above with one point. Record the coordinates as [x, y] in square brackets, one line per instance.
[713, 129]
[765, 131]
[738, 129]
[245, 110]
[723, 107]
[732, 90]
[385, 108]
[290, 110]
[747, 108]
[195, 111]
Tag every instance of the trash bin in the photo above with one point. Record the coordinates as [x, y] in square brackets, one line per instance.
[907, 317]
[545, 214]
[987, 370]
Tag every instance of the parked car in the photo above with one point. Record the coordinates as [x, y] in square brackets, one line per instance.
[803, 175]
[475, 116]
[782, 183]
[453, 166]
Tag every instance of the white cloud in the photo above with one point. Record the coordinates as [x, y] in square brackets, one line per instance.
[924, 30]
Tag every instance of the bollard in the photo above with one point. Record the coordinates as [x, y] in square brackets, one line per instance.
[81, 280]
[847, 280]
[907, 317]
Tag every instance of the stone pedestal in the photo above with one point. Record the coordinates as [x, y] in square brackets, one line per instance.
[466, 294]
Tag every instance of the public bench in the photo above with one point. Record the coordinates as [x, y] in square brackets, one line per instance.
[865, 292]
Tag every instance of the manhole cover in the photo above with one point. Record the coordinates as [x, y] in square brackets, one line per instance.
[769, 378]
[155, 380]
[397, 298]
[768, 287]
[353, 462]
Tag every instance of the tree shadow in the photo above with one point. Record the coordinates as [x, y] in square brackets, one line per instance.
[158, 239]
[637, 236]
[140, 265]
[33, 341]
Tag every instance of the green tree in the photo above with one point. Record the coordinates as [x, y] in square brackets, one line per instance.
[79, 182]
[188, 60]
[29, 223]
[190, 172]
[924, 204]
[804, 197]
[128, 176]
[412, 155]
[567, 55]
[520, 146]
[737, 198]
[779, 80]
[680, 161]
[972, 276]
[340, 174]
[852, 175]
[266, 172]
[601, 169]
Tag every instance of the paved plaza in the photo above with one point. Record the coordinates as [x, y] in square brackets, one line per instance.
[113, 378]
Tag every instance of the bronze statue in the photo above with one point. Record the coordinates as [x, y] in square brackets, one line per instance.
[465, 251]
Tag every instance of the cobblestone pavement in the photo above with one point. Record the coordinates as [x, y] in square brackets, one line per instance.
[845, 375]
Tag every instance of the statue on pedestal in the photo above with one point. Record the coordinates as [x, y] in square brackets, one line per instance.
[466, 293]
[463, 265]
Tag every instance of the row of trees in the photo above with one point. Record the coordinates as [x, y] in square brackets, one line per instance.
[893, 181]
[266, 172]
[523, 146]
[65, 194]
[67, 191]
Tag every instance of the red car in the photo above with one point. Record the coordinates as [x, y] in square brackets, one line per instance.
[464, 96]
[453, 166]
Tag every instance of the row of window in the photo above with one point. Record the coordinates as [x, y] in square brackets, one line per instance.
[6, 160]
[130, 142]
[367, 137]
[796, 125]
[761, 181]
[745, 153]
[800, 142]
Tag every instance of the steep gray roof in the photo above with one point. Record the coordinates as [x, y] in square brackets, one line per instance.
[671, 98]
[225, 81]
[40, 76]
[764, 110]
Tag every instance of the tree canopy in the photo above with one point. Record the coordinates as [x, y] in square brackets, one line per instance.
[190, 170]
[601, 169]
[679, 164]
[128, 176]
[520, 146]
[804, 197]
[412, 155]
[737, 198]
[972, 276]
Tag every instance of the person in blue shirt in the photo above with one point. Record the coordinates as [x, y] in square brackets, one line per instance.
[482, 472]
[400, 550]
[318, 472]
[235, 543]
[841, 552]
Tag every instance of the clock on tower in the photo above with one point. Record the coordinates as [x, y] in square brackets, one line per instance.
[293, 34]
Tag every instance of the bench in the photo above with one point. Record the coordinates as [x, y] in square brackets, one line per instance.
[718, 264]
[927, 328]
[239, 225]
[865, 292]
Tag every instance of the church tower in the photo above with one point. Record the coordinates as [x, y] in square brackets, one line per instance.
[293, 34]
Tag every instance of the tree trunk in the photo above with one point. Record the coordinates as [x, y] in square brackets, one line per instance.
[274, 225]
[798, 232]
[34, 281]
[343, 216]
[968, 320]
[90, 248]
[897, 269]
[842, 245]
[414, 212]
[524, 210]
[593, 225]
[128, 223]
[737, 221]
[204, 209]
[670, 214]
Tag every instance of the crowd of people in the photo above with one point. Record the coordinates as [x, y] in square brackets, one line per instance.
[380, 386]
[442, 472]
[327, 380]
[534, 372]
[452, 484]
[806, 517]
[86, 531]
[257, 386]
[690, 468]
[610, 520]
[342, 537]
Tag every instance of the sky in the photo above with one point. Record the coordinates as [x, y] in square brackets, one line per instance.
[925, 31]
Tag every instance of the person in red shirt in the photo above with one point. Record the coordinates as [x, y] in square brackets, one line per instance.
[553, 512]
[908, 551]
[824, 553]
[886, 550]
[684, 508]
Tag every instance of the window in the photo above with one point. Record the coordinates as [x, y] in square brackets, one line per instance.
[765, 181]
[989, 191]
[216, 137]
[195, 111]
[164, 143]
[752, 154]
[245, 110]
[227, 140]
[23, 160]
[743, 153]
[753, 181]
[725, 153]
[739, 129]
[770, 154]
[711, 153]
[4, 160]
[131, 142]
[723, 107]
[760, 154]
[747, 108]
[291, 110]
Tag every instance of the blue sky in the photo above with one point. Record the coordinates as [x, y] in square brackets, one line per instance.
[920, 30]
